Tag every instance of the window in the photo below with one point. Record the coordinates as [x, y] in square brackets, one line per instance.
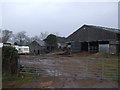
[25, 49]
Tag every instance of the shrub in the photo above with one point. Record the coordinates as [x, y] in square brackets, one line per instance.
[9, 60]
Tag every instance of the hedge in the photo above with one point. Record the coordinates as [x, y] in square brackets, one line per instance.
[9, 60]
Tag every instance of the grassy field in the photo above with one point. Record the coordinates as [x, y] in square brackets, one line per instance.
[17, 81]
[108, 68]
[108, 56]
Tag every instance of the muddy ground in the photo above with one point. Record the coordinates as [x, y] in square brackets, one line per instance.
[64, 72]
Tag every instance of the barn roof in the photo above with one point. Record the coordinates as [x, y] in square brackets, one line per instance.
[104, 28]
[94, 33]
[40, 42]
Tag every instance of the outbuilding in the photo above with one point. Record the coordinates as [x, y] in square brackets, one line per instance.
[95, 39]
[37, 47]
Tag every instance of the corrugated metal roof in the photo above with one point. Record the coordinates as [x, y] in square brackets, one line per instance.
[104, 28]
[40, 42]
[94, 33]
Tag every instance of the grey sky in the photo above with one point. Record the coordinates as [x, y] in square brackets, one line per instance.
[119, 15]
[0, 15]
[61, 17]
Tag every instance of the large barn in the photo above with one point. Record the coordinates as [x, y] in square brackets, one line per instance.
[95, 39]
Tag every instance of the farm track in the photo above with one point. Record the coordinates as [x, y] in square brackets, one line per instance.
[64, 72]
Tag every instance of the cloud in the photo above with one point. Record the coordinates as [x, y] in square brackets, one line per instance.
[58, 17]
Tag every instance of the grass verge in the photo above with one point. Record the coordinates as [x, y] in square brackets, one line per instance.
[17, 81]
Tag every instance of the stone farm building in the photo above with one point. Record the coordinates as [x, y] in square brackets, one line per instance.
[95, 39]
[37, 47]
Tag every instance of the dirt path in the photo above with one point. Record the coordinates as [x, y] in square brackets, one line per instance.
[84, 83]
[57, 82]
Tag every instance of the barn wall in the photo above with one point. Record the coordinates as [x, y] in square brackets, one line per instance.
[114, 47]
[75, 47]
[98, 39]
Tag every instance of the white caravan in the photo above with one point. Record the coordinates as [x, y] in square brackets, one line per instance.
[22, 49]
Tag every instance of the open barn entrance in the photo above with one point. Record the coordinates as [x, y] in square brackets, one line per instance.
[84, 46]
[93, 47]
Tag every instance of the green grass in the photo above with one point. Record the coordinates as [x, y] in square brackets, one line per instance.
[109, 56]
[17, 81]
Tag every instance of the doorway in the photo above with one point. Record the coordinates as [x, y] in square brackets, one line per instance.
[38, 51]
[84, 46]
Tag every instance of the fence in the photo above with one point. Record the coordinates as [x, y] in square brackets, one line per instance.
[79, 69]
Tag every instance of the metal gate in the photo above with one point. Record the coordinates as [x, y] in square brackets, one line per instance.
[82, 68]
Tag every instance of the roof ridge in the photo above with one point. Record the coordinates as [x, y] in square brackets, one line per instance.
[101, 27]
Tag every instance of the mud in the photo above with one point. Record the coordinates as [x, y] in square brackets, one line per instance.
[63, 72]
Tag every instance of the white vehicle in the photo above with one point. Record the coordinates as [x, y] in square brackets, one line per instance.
[1, 45]
[22, 49]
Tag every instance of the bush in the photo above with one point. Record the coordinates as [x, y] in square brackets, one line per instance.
[9, 60]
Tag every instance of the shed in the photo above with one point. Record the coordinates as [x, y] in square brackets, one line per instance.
[37, 47]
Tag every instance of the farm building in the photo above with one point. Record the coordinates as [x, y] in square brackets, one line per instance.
[95, 39]
[61, 42]
[37, 47]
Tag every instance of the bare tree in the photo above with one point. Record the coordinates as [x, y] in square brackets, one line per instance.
[21, 38]
[35, 38]
[43, 35]
[6, 34]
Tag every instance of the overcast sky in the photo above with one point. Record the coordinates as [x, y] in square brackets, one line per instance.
[61, 17]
